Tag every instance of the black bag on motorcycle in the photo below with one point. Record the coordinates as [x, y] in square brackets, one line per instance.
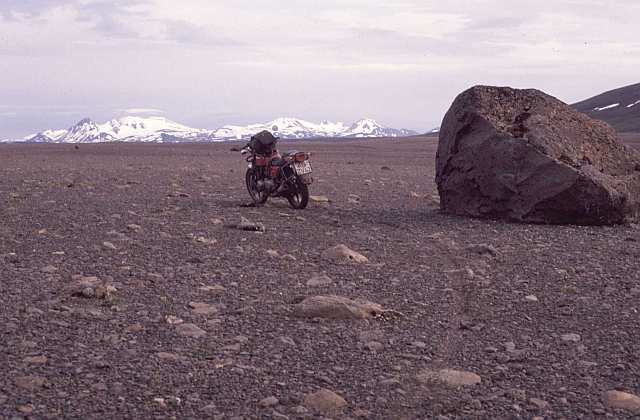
[263, 143]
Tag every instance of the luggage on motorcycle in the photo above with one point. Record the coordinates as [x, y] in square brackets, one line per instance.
[263, 143]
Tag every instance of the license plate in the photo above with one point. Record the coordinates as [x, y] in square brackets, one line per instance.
[303, 168]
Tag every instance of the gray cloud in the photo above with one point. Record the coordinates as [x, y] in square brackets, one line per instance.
[401, 61]
[189, 33]
[11, 9]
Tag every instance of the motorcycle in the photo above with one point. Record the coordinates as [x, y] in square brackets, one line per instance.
[273, 175]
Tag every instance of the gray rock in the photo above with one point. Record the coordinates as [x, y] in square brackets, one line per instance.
[622, 400]
[324, 401]
[190, 330]
[341, 254]
[450, 377]
[336, 307]
[318, 280]
[269, 402]
[49, 269]
[570, 337]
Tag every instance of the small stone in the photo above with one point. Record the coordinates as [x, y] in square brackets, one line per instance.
[622, 400]
[32, 310]
[319, 199]
[36, 360]
[216, 288]
[419, 344]
[341, 254]
[287, 340]
[273, 253]
[587, 365]
[361, 414]
[392, 382]
[510, 346]
[49, 269]
[374, 346]
[336, 307]
[269, 402]
[173, 320]
[453, 378]
[540, 404]
[108, 245]
[30, 383]
[190, 330]
[134, 227]
[169, 356]
[570, 337]
[318, 280]
[483, 249]
[134, 328]
[206, 241]
[25, 409]
[324, 401]
[201, 308]
[211, 409]
[531, 298]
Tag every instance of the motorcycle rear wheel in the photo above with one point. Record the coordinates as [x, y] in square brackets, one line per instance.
[299, 198]
[258, 197]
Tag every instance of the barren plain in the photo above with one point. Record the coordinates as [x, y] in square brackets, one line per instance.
[194, 318]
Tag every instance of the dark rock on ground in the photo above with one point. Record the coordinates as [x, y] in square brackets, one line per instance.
[525, 156]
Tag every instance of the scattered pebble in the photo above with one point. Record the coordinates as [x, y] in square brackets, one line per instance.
[190, 330]
[570, 337]
[324, 401]
[622, 400]
[341, 254]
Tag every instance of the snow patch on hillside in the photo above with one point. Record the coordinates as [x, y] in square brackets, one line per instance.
[633, 104]
[606, 107]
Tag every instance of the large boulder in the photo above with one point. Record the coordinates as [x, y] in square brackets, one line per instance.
[525, 156]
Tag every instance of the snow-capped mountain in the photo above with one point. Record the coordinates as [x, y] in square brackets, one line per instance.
[370, 128]
[285, 127]
[162, 130]
[152, 129]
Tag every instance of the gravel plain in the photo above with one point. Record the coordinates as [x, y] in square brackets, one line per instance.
[126, 291]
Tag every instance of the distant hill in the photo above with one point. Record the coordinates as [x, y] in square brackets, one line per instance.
[618, 107]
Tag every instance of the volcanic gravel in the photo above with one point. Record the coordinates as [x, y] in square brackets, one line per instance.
[201, 323]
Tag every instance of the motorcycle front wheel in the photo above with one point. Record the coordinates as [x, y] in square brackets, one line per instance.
[258, 197]
[299, 197]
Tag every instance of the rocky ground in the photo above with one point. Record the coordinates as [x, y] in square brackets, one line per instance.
[127, 291]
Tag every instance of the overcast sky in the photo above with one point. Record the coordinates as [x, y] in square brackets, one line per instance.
[207, 63]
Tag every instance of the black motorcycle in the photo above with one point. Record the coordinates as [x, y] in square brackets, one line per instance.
[273, 175]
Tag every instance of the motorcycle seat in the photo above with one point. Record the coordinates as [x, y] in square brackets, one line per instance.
[289, 153]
